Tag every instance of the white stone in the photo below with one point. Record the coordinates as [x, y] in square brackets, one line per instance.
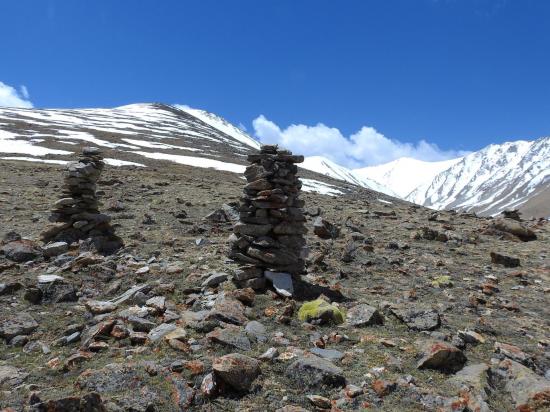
[282, 282]
[48, 278]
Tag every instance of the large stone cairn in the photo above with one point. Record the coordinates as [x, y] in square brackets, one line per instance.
[269, 236]
[76, 214]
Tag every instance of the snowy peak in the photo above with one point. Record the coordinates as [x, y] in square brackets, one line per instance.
[405, 174]
[493, 179]
[327, 167]
[138, 135]
[221, 124]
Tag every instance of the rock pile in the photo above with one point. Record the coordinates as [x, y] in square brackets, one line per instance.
[270, 233]
[76, 215]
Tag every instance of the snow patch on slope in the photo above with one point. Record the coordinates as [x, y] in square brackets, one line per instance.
[310, 185]
[10, 144]
[222, 125]
[195, 161]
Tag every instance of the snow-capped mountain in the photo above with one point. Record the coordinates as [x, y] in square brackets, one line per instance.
[222, 125]
[140, 135]
[498, 177]
[510, 175]
[405, 174]
[327, 167]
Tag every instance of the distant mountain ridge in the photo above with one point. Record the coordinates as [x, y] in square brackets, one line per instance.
[498, 177]
[405, 174]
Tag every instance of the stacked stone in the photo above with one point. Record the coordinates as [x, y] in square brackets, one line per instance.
[269, 236]
[76, 214]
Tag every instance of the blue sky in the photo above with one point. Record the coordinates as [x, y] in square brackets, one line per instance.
[458, 74]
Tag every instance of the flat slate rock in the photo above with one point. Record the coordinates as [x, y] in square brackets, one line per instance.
[19, 324]
[282, 282]
[418, 319]
[231, 336]
[11, 376]
[313, 371]
[330, 354]
[364, 315]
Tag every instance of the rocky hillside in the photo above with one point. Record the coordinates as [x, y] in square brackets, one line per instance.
[401, 308]
[140, 135]
[499, 177]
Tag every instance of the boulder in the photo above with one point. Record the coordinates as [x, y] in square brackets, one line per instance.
[529, 391]
[364, 315]
[231, 336]
[324, 229]
[10, 376]
[55, 248]
[320, 311]
[313, 371]
[18, 324]
[515, 228]
[236, 370]
[504, 260]
[441, 356]
[418, 319]
[22, 250]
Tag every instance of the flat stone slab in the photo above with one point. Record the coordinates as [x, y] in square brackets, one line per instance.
[282, 282]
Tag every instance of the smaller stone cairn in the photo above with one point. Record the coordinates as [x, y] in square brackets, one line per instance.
[76, 215]
[268, 241]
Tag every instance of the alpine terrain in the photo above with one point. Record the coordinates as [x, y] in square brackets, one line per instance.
[157, 258]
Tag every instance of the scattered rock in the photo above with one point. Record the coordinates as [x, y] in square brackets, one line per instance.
[514, 353]
[418, 318]
[320, 311]
[160, 331]
[441, 356]
[330, 354]
[282, 282]
[55, 248]
[528, 391]
[232, 336]
[312, 371]
[214, 279]
[18, 324]
[324, 229]
[319, 401]
[238, 371]
[157, 303]
[364, 315]
[22, 250]
[11, 376]
[97, 307]
[506, 261]
[228, 309]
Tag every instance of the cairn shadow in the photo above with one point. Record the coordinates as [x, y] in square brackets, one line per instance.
[308, 291]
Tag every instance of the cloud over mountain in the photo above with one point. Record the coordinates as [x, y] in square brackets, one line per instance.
[364, 148]
[10, 97]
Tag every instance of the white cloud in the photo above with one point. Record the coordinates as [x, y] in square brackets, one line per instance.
[10, 97]
[24, 92]
[365, 148]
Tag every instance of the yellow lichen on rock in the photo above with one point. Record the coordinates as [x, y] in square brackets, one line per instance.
[322, 311]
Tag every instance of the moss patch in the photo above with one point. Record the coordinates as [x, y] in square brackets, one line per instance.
[320, 310]
[442, 282]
